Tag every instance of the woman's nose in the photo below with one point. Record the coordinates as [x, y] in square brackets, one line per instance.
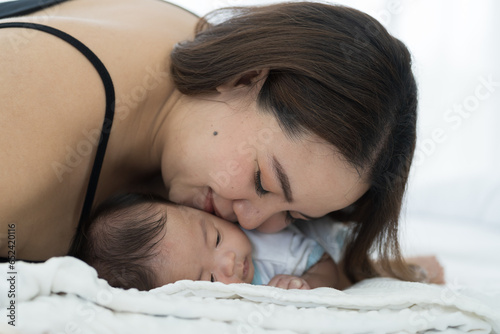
[226, 261]
[249, 216]
[252, 217]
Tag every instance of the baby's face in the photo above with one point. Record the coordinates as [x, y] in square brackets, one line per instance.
[201, 247]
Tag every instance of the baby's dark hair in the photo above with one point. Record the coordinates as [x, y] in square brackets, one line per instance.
[119, 240]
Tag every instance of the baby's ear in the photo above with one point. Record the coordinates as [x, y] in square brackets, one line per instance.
[250, 79]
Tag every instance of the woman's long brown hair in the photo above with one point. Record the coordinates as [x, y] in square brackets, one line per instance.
[334, 72]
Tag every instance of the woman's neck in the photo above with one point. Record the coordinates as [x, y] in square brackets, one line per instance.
[137, 142]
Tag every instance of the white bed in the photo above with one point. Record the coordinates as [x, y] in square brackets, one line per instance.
[63, 295]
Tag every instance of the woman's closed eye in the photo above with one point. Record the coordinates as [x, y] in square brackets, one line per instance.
[288, 218]
[258, 185]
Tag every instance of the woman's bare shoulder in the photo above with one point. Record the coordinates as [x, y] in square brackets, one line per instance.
[49, 91]
[47, 102]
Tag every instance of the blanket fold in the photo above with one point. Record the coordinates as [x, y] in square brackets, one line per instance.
[65, 294]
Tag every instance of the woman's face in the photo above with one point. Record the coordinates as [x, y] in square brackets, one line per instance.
[227, 158]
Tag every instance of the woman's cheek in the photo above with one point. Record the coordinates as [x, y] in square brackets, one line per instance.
[228, 177]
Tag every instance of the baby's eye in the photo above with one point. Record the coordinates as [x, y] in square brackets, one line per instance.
[218, 239]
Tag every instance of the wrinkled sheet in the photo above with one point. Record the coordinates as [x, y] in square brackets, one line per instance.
[64, 295]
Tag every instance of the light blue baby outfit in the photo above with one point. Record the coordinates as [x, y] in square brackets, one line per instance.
[286, 252]
[297, 248]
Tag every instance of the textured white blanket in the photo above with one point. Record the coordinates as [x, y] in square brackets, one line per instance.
[64, 295]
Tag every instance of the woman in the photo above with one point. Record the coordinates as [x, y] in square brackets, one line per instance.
[290, 111]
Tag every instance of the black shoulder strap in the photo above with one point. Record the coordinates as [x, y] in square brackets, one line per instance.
[109, 113]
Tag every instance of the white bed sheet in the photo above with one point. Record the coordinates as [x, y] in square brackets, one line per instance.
[64, 295]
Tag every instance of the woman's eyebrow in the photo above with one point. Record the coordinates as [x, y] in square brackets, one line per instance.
[280, 174]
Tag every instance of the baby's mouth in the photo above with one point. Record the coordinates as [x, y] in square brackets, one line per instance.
[246, 266]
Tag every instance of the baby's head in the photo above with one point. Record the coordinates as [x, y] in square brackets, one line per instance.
[140, 241]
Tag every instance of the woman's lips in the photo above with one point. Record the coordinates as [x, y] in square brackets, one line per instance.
[216, 212]
[209, 206]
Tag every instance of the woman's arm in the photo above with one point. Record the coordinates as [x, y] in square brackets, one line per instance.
[432, 269]
[325, 273]
[428, 269]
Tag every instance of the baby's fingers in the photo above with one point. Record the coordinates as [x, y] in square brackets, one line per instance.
[298, 283]
[279, 281]
[288, 282]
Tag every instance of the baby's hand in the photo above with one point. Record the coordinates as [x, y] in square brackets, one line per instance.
[289, 282]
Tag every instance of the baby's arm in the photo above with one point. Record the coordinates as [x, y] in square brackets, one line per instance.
[325, 273]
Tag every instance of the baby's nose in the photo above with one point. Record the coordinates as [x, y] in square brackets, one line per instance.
[226, 263]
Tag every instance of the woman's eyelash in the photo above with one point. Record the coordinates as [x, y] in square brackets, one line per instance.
[258, 185]
[288, 218]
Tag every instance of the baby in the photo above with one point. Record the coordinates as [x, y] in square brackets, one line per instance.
[140, 241]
